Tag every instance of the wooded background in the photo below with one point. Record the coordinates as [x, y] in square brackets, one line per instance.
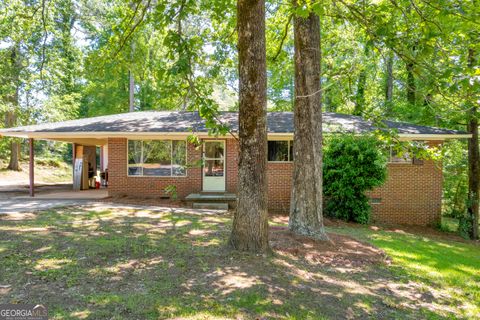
[406, 60]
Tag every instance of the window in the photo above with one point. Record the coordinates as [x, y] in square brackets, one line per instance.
[179, 158]
[399, 157]
[157, 158]
[280, 150]
[135, 158]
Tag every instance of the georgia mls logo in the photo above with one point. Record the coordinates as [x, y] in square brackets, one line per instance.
[23, 312]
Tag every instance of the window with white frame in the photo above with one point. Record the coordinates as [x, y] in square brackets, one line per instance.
[280, 151]
[157, 158]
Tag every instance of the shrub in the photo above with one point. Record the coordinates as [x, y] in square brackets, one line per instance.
[352, 166]
[171, 191]
[465, 226]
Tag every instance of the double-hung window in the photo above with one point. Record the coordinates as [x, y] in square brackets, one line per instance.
[157, 158]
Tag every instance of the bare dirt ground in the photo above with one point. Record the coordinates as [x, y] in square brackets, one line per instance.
[44, 174]
[340, 251]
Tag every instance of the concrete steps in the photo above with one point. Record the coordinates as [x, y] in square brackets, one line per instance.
[210, 205]
[212, 200]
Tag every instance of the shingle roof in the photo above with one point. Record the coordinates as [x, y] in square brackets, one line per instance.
[178, 121]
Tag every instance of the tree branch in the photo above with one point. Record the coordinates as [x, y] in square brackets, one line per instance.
[285, 33]
[132, 30]
[45, 35]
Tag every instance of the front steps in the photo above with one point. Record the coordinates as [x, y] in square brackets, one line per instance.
[212, 200]
[210, 205]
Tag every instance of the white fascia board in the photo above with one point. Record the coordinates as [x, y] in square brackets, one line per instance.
[418, 136]
[183, 135]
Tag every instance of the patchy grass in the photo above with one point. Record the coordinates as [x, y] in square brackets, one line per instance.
[99, 263]
[451, 269]
[46, 171]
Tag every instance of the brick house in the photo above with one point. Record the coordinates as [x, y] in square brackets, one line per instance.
[147, 151]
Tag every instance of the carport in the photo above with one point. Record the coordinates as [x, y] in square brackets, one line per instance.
[83, 147]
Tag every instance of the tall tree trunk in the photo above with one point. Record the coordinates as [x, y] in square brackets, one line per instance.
[10, 116]
[131, 83]
[131, 79]
[473, 163]
[250, 222]
[411, 86]
[473, 174]
[131, 92]
[362, 81]
[389, 85]
[360, 95]
[329, 106]
[306, 216]
[13, 164]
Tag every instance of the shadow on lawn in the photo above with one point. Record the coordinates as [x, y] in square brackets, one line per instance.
[140, 264]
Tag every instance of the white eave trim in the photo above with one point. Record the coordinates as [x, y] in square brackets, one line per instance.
[146, 135]
[418, 136]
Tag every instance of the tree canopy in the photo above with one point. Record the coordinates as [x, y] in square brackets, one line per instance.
[410, 60]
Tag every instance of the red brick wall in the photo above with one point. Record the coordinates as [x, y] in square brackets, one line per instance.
[411, 195]
[279, 186]
[279, 177]
[122, 184]
[232, 165]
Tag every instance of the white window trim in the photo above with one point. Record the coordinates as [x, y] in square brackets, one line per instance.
[171, 159]
[288, 152]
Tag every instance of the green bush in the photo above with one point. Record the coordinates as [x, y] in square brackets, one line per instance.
[352, 166]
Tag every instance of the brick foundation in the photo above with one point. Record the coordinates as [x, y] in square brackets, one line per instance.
[412, 193]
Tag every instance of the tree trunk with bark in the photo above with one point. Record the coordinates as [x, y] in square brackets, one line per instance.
[473, 174]
[473, 164]
[131, 78]
[11, 116]
[389, 85]
[329, 105]
[13, 164]
[362, 82]
[411, 85]
[360, 96]
[250, 221]
[131, 92]
[306, 216]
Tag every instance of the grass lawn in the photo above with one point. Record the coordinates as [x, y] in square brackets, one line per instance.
[449, 268]
[102, 263]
